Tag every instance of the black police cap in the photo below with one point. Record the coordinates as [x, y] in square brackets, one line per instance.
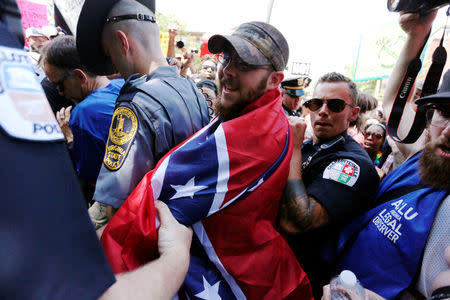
[293, 86]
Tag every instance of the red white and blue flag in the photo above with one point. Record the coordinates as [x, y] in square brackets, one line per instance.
[225, 181]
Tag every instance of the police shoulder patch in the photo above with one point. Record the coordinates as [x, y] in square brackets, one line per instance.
[344, 171]
[124, 126]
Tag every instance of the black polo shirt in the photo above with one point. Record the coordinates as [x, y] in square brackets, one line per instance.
[340, 175]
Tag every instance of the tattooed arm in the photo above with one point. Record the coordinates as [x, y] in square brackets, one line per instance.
[298, 211]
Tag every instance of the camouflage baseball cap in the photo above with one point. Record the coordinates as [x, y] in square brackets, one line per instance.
[256, 43]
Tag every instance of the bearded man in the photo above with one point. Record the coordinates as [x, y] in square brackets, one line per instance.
[396, 248]
[226, 182]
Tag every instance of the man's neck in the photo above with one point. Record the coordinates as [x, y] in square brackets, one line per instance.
[97, 83]
[287, 107]
[155, 65]
[316, 140]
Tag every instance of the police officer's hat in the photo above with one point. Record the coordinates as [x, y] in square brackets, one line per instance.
[293, 86]
[89, 34]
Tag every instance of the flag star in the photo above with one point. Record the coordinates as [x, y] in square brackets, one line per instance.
[210, 292]
[187, 190]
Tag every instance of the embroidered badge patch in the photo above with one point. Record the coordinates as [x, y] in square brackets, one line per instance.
[24, 111]
[344, 171]
[123, 129]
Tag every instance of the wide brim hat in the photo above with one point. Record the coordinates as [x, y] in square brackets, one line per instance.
[441, 95]
[256, 43]
[89, 34]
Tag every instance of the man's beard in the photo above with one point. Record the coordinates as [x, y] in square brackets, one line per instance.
[249, 96]
[434, 170]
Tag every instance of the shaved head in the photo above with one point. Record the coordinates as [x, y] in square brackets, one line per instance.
[138, 29]
[133, 45]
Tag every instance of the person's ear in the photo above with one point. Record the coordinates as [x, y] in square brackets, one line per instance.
[274, 80]
[123, 41]
[354, 114]
[80, 75]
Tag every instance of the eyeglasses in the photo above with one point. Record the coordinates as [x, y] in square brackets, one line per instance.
[437, 117]
[335, 105]
[225, 58]
[374, 134]
[60, 83]
[206, 67]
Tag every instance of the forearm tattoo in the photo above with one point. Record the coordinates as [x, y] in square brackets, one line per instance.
[300, 212]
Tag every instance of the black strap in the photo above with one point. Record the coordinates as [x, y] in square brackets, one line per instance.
[398, 192]
[139, 17]
[430, 87]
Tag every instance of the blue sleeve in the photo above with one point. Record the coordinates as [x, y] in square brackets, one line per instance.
[87, 151]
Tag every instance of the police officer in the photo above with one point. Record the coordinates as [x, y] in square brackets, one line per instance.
[292, 91]
[49, 249]
[156, 109]
[336, 181]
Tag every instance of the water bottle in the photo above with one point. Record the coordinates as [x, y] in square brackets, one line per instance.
[345, 286]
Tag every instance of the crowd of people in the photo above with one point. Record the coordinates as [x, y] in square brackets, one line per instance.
[142, 175]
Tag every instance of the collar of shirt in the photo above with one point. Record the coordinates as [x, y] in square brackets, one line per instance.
[308, 146]
[161, 72]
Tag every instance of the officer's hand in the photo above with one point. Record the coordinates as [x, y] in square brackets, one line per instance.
[415, 24]
[298, 126]
[63, 117]
[173, 238]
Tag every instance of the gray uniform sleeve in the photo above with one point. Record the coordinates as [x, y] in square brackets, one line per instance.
[129, 155]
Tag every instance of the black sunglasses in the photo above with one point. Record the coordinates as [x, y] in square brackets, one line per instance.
[225, 59]
[335, 105]
[206, 67]
[60, 83]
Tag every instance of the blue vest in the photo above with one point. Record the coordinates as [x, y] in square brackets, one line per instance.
[384, 246]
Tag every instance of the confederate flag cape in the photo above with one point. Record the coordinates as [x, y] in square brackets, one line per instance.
[225, 181]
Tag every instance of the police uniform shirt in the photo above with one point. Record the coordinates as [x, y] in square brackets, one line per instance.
[49, 249]
[339, 175]
[153, 114]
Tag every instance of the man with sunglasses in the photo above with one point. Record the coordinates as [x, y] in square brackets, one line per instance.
[86, 127]
[331, 180]
[208, 67]
[401, 261]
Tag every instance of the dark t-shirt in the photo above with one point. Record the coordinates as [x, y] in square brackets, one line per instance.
[49, 249]
[340, 175]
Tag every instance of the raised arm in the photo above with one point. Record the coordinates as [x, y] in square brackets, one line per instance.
[299, 212]
[417, 28]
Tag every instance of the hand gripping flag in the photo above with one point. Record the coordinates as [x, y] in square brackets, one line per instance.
[225, 181]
